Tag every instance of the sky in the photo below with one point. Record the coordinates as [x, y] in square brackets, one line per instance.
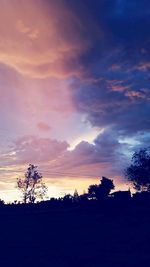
[74, 90]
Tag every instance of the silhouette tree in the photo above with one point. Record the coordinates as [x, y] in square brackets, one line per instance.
[84, 197]
[2, 202]
[102, 190]
[75, 196]
[67, 199]
[32, 186]
[139, 170]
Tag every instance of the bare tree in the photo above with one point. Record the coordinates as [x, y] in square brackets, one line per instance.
[31, 185]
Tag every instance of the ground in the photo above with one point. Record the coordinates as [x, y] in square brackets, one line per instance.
[75, 236]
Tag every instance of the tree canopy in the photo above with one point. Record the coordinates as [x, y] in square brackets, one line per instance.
[31, 185]
[102, 190]
[139, 170]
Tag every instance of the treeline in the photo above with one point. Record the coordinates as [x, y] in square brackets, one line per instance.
[33, 189]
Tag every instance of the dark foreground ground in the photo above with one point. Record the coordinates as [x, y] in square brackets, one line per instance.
[87, 236]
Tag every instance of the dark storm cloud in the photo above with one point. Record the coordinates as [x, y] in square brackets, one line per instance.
[122, 103]
[115, 90]
[124, 20]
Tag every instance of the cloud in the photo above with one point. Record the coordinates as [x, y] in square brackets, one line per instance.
[115, 97]
[135, 94]
[117, 88]
[40, 39]
[42, 126]
[31, 148]
[96, 159]
[84, 160]
[116, 91]
[25, 102]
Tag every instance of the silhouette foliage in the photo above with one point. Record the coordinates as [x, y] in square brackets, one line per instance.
[102, 190]
[32, 186]
[139, 170]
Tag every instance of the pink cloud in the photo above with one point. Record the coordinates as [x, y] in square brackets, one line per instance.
[31, 148]
[40, 39]
[42, 126]
[117, 86]
[145, 66]
[86, 160]
[135, 94]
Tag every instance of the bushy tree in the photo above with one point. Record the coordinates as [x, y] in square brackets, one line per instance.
[139, 170]
[75, 196]
[31, 185]
[2, 202]
[102, 190]
[67, 199]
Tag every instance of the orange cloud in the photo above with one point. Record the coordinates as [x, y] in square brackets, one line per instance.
[135, 94]
[39, 38]
[117, 86]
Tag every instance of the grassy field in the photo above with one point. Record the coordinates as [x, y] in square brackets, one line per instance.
[77, 236]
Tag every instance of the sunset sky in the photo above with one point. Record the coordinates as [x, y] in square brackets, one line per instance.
[74, 90]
